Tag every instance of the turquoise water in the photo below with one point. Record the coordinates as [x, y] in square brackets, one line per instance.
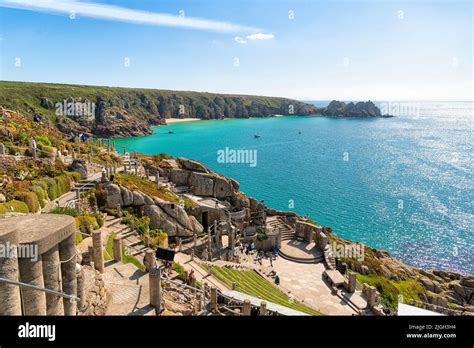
[403, 184]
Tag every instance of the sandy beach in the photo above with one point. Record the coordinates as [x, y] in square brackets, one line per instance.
[176, 120]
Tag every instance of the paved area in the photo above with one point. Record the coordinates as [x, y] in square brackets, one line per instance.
[306, 284]
[129, 288]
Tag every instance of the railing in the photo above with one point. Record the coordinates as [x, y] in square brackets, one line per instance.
[193, 289]
[34, 287]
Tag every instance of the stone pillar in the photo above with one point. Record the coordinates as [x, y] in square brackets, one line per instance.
[371, 293]
[117, 249]
[323, 241]
[263, 308]
[198, 304]
[10, 299]
[67, 255]
[52, 281]
[2, 149]
[149, 260]
[214, 299]
[98, 253]
[351, 283]
[231, 239]
[308, 234]
[246, 308]
[124, 150]
[155, 289]
[192, 255]
[81, 291]
[31, 272]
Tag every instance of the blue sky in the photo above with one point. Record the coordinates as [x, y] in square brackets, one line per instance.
[351, 50]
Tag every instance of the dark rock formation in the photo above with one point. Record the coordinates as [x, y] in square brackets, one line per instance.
[360, 109]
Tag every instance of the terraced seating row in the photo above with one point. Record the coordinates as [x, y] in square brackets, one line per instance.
[251, 283]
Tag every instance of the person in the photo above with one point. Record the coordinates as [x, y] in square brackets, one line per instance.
[33, 147]
[271, 261]
[192, 278]
[277, 280]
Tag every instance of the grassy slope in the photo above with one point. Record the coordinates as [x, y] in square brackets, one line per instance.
[24, 95]
[251, 283]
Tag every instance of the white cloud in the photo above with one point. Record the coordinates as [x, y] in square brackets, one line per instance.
[240, 40]
[123, 14]
[260, 36]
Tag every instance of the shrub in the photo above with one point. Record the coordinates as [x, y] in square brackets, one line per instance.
[86, 224]
[42, 139]
[13, 150]
[180, 270]
[261, 235]
[78, 238]
[75, 176]
[157, 238]
[13, 206]
[41, 194]
[100, 218]
[64, 184]
[65, 211]
[53, 191]
[101, 196]
[30, 199]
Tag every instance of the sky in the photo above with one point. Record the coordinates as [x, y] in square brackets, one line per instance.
[303, 49]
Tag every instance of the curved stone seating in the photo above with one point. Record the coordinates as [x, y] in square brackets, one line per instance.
[299, 251]
[46, 258]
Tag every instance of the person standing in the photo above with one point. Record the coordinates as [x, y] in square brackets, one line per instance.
[34, 147]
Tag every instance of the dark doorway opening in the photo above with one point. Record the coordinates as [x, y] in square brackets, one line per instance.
[205, 220]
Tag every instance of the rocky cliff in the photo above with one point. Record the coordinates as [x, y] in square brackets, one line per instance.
[121, 112]
[360, 109]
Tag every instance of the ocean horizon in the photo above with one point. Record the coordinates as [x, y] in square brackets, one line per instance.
[403, 184]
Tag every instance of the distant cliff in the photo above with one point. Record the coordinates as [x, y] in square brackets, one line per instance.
[360, 109]
[121, 112]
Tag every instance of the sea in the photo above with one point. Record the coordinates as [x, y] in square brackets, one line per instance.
[403, 184]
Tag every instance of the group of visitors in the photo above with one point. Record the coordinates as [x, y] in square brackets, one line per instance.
[247, 248]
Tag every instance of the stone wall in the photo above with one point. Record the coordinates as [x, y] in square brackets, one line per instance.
[167, 216]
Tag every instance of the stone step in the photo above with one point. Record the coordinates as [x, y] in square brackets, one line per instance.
[112, 222]
[131, 245]
[127, 234]
[300, 260]
[120, 229]
[139, 251]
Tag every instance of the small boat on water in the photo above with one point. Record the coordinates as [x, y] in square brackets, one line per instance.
[256, 136]
[170, 132]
